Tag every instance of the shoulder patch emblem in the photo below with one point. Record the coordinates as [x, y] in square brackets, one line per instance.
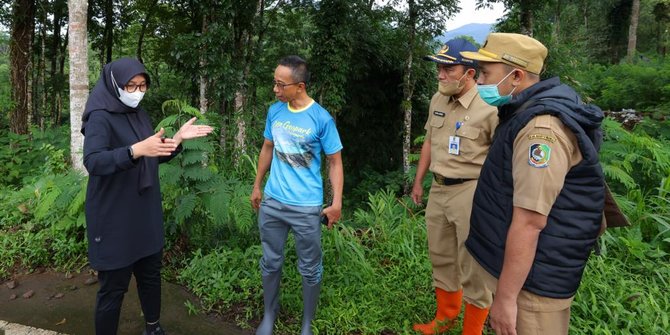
[541, 137]
[538, 155]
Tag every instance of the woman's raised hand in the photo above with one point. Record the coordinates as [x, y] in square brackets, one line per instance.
[189, 131]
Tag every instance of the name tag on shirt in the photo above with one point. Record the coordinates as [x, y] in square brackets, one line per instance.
[454, 145]
[440, 114]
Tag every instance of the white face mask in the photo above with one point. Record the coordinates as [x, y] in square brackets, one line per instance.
[129, 99]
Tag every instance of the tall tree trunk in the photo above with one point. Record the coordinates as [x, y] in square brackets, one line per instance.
[632, 30]
[109, 30]
[20, 56]
[203, 64]
[258, 49]
[240, 101]
[585, 3]
[78, 52]
[557, 22]
[42, 105]
[526, 17]
[408, 92]
[61, 76]
[145, 24]
[240, 138]
[55, 82]
[224, 125]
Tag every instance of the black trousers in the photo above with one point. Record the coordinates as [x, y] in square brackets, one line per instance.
[114, 285]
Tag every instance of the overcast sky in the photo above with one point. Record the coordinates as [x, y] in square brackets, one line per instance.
[468, 14]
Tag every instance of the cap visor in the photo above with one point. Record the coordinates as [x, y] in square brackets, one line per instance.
[438, 60]
[479, 57]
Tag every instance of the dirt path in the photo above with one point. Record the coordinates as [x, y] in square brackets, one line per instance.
[66, 306]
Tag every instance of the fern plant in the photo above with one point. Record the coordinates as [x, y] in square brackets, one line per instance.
[633, 159]
[43, 223]
[637, 167]
[26, 156]
[202, 206]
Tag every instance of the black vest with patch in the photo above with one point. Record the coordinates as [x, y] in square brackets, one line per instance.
[574, 221]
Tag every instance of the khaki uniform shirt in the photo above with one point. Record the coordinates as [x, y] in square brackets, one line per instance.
[478, 120]
[544, 151]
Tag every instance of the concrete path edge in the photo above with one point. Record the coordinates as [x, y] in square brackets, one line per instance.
[7, 328]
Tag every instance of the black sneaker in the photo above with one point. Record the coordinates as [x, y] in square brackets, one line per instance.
[154, 329]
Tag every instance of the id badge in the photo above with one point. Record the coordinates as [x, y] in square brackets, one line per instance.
[454, 145]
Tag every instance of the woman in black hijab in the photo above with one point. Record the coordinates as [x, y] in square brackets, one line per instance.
[124, 218]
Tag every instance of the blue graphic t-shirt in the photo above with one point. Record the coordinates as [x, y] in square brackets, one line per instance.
[299, 137]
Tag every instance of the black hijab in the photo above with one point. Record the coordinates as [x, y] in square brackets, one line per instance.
[105, 97]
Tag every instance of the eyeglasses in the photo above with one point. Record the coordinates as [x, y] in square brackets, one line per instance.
[282, 86]
[131, 88]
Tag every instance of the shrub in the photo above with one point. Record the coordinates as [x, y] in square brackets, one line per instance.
[642, 86]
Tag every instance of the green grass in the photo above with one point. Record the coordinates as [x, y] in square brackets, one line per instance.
[624, 291]
[377, 280]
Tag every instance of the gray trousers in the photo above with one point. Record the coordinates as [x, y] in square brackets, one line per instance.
[275, 219]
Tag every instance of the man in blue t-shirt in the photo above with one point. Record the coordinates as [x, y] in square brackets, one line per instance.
[297, 131]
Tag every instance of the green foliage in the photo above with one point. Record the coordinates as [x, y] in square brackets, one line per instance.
[623, 289]
[225, 277]
[5, 86]
[637, 166]
[371, 181]
[41, 216]
[651, 214]
[633, 160]
[642, 86]
[26, 156]
[42, 224]
[201, 205]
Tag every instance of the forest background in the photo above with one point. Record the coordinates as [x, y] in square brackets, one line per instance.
[214, 59]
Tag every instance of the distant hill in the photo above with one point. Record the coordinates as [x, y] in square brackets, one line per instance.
[478, 31]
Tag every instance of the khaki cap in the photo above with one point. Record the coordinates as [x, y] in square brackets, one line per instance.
[517, 50]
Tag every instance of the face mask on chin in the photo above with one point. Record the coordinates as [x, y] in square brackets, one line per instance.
[491, 95]
[451, 88]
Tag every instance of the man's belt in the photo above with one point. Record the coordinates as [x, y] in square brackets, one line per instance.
[442, 180]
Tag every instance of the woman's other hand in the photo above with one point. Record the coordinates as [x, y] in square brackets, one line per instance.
[154, 146]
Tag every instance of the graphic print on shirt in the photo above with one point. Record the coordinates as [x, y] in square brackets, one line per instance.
[292, 144]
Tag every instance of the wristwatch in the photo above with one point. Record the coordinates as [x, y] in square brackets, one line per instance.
[130, 152]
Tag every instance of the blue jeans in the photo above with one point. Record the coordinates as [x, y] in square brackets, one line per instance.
[275, 219]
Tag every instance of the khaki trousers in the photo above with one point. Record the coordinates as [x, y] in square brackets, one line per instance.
[536, 315]
[448, 224]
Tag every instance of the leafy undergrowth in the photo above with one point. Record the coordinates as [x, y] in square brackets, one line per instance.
[377, 280]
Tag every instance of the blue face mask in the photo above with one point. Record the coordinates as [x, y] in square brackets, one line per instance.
[491, 95]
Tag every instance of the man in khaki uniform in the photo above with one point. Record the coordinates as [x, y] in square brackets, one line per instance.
[537, 210]
[459, 130]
